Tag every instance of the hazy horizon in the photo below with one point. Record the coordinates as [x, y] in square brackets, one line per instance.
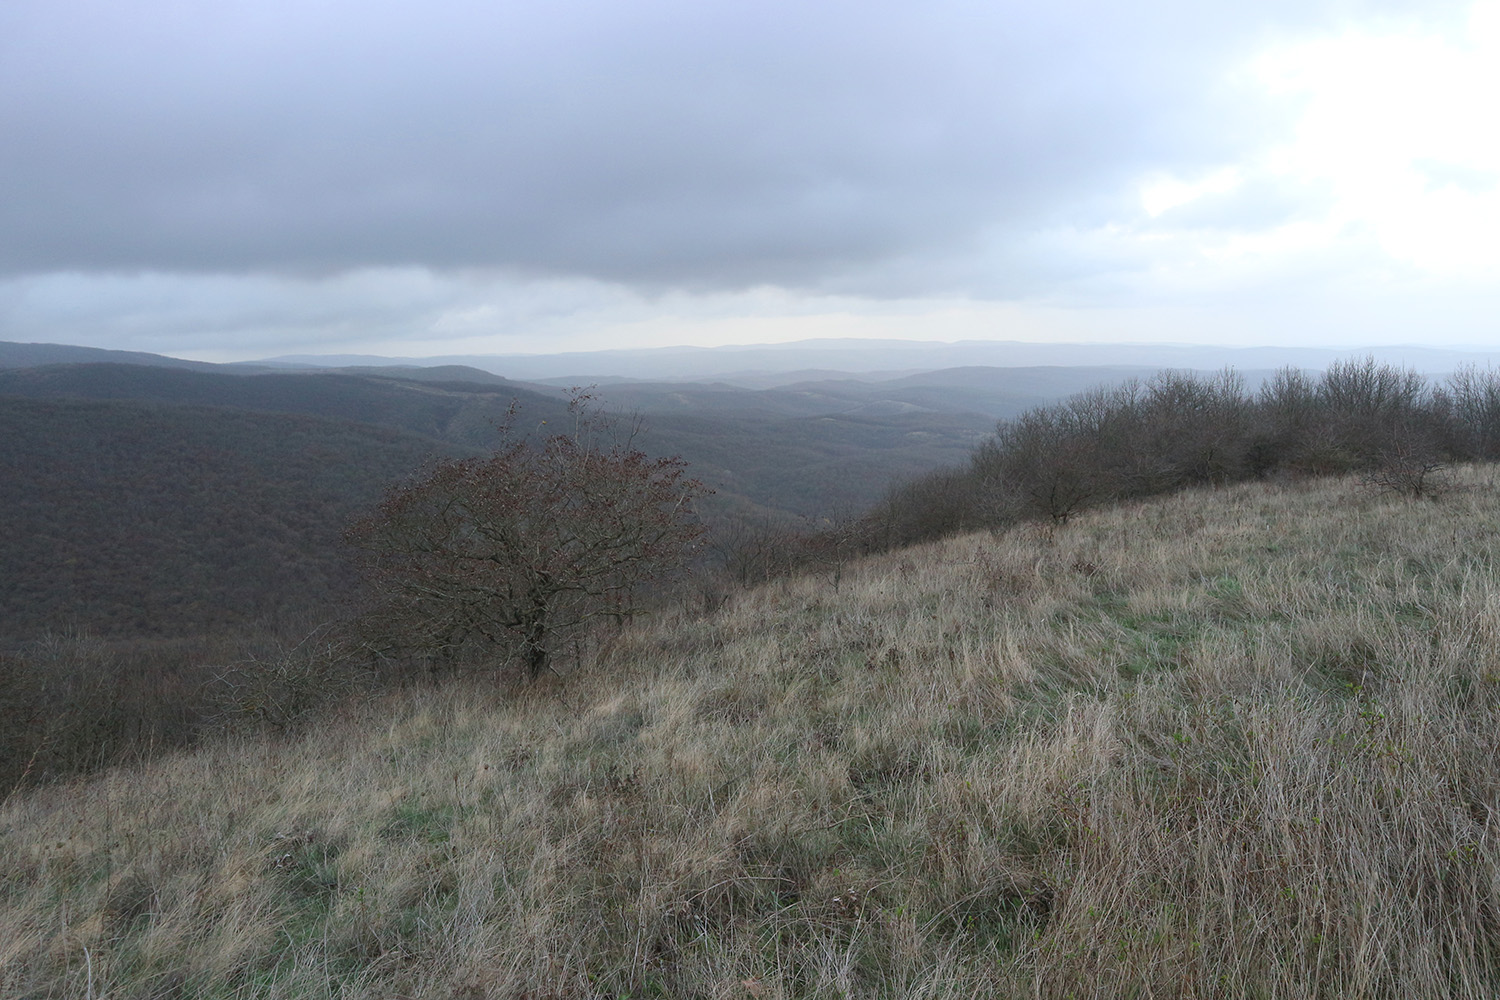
[820, 358]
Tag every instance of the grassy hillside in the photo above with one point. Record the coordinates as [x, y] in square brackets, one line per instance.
[1230, 743]
[134, 519]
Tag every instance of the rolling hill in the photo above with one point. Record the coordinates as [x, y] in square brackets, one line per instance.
[781, 364]
[784, 455]
[155, 501]
[145, 499]
[787, 455]
[15, 355]
[458, 412]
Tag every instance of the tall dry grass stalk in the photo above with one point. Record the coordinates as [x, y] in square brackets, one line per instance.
[1234, 743]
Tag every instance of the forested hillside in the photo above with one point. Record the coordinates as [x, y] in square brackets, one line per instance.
[765, 454]
[463, 413]
[136, 519]
[192, 500]
[14, 355]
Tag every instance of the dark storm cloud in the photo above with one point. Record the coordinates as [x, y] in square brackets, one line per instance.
[692, 145]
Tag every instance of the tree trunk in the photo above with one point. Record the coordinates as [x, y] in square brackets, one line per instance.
[535, 642]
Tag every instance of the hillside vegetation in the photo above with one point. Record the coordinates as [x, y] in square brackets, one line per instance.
[1178, 430]
[1234, 742]
[140, 520]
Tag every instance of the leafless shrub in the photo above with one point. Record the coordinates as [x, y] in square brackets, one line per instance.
[72, 702]
[282, 684]
[752, 550]
[1409, 471]
[936, 505]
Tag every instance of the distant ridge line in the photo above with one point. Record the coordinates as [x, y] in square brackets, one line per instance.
[780, 364]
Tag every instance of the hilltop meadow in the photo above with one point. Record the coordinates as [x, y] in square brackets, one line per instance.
[1236, 741]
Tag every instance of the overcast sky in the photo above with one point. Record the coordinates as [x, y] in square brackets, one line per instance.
[223, 179]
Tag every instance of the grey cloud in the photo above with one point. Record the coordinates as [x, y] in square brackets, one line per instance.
[842, 146]
[259, 314]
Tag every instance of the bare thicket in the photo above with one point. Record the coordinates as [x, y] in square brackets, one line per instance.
[1177, 430]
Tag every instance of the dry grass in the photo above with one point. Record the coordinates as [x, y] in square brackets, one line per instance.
[1235, 743]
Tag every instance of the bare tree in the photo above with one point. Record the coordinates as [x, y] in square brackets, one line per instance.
[528, 545]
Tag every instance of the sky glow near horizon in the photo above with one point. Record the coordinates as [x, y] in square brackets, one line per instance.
[244, 180]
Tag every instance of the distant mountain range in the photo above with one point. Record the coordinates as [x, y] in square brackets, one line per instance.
[769, 365]
[772, 365]
[14, 355]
